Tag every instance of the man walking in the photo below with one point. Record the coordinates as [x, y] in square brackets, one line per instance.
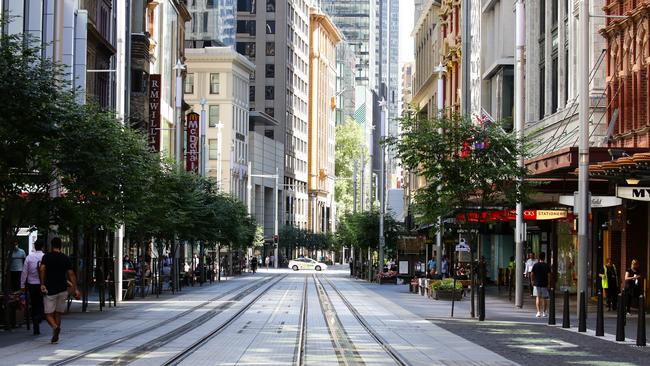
[16, 266]
[55, 266]
[541, 278]
[609, 283]
[528, 269]
[31, 283]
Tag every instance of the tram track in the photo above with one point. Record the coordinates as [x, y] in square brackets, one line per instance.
[257, 284]
[394, 354]
[184, 354]
[301, 343]
[345, 350]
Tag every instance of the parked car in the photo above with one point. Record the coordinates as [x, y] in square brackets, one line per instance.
[306, 263]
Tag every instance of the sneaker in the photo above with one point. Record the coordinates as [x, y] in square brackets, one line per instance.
[55, 335]
[538, 314]
[544, 314]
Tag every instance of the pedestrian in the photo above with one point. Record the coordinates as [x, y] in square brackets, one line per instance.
[541, 278]
[267, 260]
[16, 266]
[528, 268]
[254, 264]
[632, 286]
[31, 284]
[431, 266]
[510, 271]
[609, 283]
[444, 266]
[55, 275]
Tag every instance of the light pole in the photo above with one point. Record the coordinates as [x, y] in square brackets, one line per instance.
[179, 67]
[219, 145]
[520, 231]
[440, 70]
[382, 172]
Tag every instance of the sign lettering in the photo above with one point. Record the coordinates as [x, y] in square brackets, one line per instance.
[192, 157]
[154, 112]
[634, 193]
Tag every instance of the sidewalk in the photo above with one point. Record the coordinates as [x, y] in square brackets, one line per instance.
[518, 335]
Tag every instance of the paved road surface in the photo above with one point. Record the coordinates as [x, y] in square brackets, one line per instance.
[280, 317]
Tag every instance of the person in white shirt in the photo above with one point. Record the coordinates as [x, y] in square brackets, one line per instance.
[530, 262]
[30, 282]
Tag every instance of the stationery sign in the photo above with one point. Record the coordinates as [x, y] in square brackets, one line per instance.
[192, 157]
[154, 112]
[634, 193]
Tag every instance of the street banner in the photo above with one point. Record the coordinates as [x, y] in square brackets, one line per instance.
[192, 156]
[154, 112]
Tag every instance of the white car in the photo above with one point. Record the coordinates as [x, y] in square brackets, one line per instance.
[306, 263]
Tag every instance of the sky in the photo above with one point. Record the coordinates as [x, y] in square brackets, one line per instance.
[406, 15]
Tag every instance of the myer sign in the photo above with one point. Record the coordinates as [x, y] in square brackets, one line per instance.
[634, 193]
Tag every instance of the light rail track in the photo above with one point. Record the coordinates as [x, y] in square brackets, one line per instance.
[103, 346]
[181, 356]
[301, 344]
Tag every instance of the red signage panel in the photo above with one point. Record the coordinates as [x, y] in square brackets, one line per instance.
[192, 157]
[154, 112]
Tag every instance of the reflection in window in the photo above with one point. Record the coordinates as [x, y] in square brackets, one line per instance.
[270, 6]
[214, 83]
[189, 83]
[270, 70]
[213, 117]
[246, 5]
[270, 27]
[246, 49]
[269, 92]
[270, 48]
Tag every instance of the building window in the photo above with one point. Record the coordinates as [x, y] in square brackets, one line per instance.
[246, 5]
[210, 4]
[270, 111]
[270, 27]
[269, 134]
[213, 151]
[205, 21]
[246, 26]
[189, 83]
[270, 70]
[247, 49]
[251, 93]
[270, 48]
[269, 92]
[213, 118]
[214, 83]
[270, 6]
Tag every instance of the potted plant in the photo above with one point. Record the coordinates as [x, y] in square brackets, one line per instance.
[444, 289]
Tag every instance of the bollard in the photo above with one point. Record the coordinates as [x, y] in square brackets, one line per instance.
[620, 320]
[640, 332]
[481, 303]
[566, 322]
[600, 320]
[551, 307]
[582, 317]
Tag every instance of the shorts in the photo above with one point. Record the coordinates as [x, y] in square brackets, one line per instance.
[540, 292]
[55, 303]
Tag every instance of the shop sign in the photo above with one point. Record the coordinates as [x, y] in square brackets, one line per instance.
[596, 201]
[192, 157]
[462, 246]
[511, 215]
[634, 193]
[154, 112]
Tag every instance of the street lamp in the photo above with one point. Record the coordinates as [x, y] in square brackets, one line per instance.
[440, 71]
[219, 127]
[382, 168]
[179, 67]
[203, 150]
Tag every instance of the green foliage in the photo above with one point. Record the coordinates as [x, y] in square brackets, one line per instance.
[446, 284]
[361, 229]
[467, 167]
[349, 137]
[292, 237]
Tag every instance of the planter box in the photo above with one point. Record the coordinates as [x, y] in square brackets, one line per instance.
[388, 280]
[446, 294]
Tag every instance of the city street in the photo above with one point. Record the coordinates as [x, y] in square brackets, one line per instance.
[280, 317]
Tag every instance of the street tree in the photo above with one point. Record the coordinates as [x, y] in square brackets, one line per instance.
[349, 140]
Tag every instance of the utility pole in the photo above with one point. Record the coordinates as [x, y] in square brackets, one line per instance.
[520, 41]
[362, 167]
[275, 226]
[583, 149]
[382, 201]
[440, 70]
[179, 67]
[354, 180]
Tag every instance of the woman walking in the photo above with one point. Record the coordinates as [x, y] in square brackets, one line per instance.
[632, 283]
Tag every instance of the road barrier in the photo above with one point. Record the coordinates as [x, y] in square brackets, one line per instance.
[566, 322]
[640, 331]
[600, 320]
[582, 319]
[551, 307]
[620, 320]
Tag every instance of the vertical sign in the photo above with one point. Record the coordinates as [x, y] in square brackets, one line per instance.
[154, 112]
[192, 157]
